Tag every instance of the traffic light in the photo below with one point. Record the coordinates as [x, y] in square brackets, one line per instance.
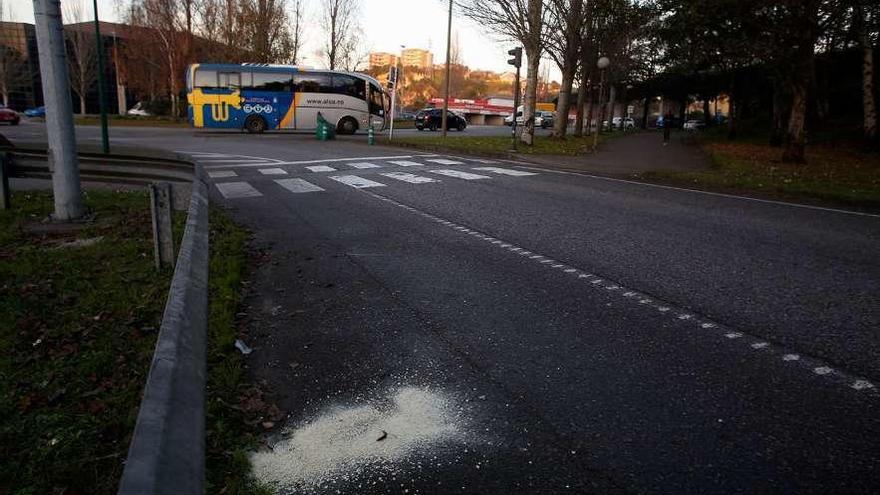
[516, 53]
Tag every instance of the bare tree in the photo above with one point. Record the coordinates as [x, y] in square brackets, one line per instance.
[522, 21]
[869, 107]
[297, 38]
[339, 21]
[83, 66]
[567, 23]
[264, 28]
[14, 71]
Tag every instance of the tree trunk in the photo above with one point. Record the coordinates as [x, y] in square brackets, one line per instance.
[581, 101]
[706, 118]
[869, 107]
[777, 134]
[732, 117]
[645, 110]
[5, 99]
[590, 106]
[612, 100]
[82, 105]
[560, 126]
[528, 134]
[794, 146]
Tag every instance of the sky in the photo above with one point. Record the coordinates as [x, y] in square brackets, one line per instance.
[386, 24]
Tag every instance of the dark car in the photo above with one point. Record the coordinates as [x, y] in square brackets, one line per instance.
[432, 118]
[8, 116]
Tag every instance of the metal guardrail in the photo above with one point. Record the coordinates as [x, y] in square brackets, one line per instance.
[32, 161]
[167, 452]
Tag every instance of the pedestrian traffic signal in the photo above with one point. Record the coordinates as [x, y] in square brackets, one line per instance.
[516, 53]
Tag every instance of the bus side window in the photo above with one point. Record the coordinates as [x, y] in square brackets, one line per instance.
[205, 79]
[313, 83]
[270, 81]
[349, 86]
[230, 80]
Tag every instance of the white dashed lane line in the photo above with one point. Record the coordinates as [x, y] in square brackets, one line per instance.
[680, 315]
[220, 174]
[321, 168]
[444, 161]
[298, 185]
[458, 174]
[411, 178]
[273, 171]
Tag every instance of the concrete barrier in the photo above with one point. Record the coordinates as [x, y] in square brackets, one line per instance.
[167, 451]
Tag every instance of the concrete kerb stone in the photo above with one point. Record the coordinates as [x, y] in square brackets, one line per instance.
[167, 451]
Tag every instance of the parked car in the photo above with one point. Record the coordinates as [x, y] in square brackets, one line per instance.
[508, 121]
[693, 125]
[9, 116]
[544, 120]
[36, 112]
[139, 109]
[432, 119]
[406, 116]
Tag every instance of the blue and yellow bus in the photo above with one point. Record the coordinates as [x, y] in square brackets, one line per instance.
[260, 97]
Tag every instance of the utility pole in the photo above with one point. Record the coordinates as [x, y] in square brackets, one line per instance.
[516, 61]
[59, 110]
[446, 91]
[602, 64]
[102, 99]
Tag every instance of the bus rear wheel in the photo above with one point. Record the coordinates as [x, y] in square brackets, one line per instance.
[255, 124]
[347, 126]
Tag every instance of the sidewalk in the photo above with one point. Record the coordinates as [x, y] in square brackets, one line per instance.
[631, 154]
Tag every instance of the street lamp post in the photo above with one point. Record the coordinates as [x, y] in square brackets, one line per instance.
[602, 64]
[105, 139]
[446, 90]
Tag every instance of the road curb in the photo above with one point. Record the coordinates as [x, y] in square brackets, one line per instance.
[167, 451]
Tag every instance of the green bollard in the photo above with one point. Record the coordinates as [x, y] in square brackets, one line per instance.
[371, 136]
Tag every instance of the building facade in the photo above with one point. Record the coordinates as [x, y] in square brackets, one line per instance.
[416, 57]
[382, 59]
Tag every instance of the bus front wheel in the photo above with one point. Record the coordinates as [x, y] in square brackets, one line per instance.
[347, 126]
[255, 124]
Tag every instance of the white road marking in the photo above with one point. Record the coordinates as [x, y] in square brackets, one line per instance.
[314, 162]
[235, 190]
[809, 363]
[443, 161]
[273, 171]
[481, 161]
[298, 185]
[321, 168]
[505, 171]
[459, 174]
[363, 165]
[412, 179]
[212, 161]
[406, 163]
[221, 174]
[862, 385]
[356, 182]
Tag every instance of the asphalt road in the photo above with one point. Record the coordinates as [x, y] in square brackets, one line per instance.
[585, 335]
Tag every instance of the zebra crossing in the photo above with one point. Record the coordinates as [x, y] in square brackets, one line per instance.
[241, 176]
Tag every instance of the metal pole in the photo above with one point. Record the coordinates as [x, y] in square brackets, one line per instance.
[601, 108]
[448, 49]
[393, 101]
[516, 91]
[59, 110]
[99, 45]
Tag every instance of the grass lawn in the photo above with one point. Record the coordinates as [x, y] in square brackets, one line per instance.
[833, 174]
[495, 145]
[78, 327]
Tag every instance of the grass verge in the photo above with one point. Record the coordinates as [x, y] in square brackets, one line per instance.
[133, 121]
[236, 410]
[833, 174]
[78, 325]
[497, 146]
